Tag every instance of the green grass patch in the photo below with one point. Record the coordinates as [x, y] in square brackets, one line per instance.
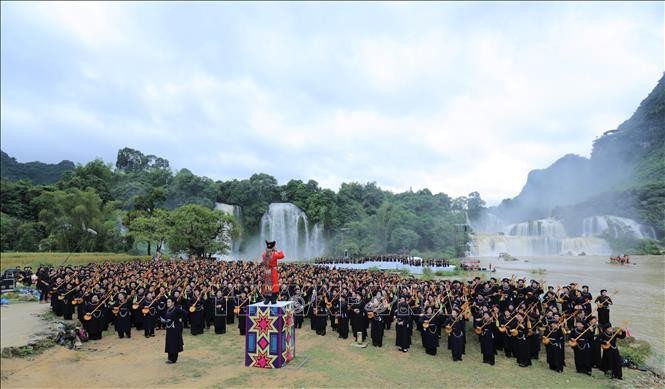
[637, 351]
[11, 260]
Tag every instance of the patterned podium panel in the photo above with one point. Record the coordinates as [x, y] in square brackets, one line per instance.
[270, 339]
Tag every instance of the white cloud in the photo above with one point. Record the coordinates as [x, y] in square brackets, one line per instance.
[412, 98]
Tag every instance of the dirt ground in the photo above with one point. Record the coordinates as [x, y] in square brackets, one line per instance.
[19, 323]
[216, 361]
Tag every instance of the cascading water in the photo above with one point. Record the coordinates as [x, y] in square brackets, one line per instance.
[288, 225]
[537, 237]
[236, 212]
[616, 226]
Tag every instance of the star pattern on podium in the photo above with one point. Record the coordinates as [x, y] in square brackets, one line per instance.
[263, 324]
[263, 360]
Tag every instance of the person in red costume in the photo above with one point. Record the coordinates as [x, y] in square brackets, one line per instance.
[269, 259]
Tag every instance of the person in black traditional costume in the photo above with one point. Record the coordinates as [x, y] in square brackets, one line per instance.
[343, 319]
[220, 313]
[582, 348]
[487, 339]
[95, 325]
[173, 340]
[123, 319]
[604, 301]
[430, 331]
[197, 318]
[377, 327]
[454, 327]
[555, 347]
[403, 324]
[149, 313]
[611, 362]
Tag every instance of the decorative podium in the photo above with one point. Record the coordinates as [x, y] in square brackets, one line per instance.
[270, 338]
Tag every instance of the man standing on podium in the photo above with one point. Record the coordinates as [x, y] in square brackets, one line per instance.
[271, 279]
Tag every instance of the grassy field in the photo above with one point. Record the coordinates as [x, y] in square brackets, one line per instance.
[216, 361]
[11, 260]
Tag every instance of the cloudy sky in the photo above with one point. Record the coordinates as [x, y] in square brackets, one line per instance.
[454, 97]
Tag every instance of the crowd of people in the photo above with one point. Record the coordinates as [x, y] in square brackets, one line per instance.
[509, 316]
[620, 259]
[395, 258]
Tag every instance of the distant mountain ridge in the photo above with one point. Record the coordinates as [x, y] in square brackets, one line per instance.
[37, 172]
[625, 174]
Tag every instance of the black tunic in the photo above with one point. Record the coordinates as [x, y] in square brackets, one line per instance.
[555, 351]
[582, 350]
[95, 325]
[376, 331]
[220, 315]
[522, 352]
[430, 335]
[197, 317]
[456, 338]
[123, 321]
[343, 321]
[403, 326]
[171, 320]
[358, 318]
[487, 343]
[611, 362]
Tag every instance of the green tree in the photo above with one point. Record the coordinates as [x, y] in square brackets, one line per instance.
[95, 175]
[130, 160]
[197, 230]
[151, 228]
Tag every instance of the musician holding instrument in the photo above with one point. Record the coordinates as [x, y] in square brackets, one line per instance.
[123, 316]
[430, 327]
[554, 341]
[603, 304]
[611, 361]
[196, 314]
[94, 325]
[580, 340]
[149, 313]
[487, 347]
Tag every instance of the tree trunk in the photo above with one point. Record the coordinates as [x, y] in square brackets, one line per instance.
[148, 247]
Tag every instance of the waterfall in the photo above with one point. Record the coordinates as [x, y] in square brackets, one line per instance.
[491, 245]
[236, 212]
[288, 225]
[550, 228]
[615, 225]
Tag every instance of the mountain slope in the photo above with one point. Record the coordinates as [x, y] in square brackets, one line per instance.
[624, 176]
[37, 172]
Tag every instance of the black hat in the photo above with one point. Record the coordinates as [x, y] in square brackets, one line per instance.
[270, 245]
[606, 325]
[603, 290]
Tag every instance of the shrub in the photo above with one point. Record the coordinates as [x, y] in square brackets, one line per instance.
[636, 351]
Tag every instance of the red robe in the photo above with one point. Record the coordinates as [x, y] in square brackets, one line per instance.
[271, 279]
